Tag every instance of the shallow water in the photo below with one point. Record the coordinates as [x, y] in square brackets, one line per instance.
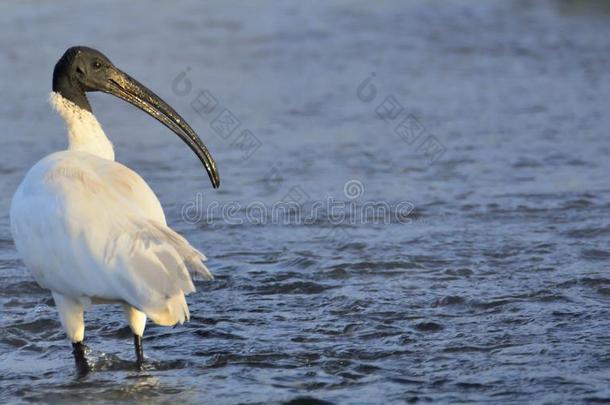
[480, 277]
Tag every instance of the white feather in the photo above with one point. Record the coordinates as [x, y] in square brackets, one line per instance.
[92, 230]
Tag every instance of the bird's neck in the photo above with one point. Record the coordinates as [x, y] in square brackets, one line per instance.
[85, 133]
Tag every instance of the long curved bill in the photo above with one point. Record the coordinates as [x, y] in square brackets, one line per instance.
[122, 85]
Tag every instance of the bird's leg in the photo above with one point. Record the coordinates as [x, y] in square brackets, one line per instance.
[137, 323]
[71, 314]
[78, 349]
[137, 341]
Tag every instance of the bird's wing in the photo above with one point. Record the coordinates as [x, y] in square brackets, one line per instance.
[91, 227]
[129, 188]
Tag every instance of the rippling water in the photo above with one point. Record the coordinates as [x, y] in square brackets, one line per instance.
[493, 287]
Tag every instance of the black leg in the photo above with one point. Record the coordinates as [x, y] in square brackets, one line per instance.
[78, 349]
[137, 341]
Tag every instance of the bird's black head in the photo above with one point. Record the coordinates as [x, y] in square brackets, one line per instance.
[79, 70]
[82, 69]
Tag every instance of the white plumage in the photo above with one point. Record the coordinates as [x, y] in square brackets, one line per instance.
[92, 231]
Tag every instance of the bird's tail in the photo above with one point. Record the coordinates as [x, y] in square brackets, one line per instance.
[155, 267]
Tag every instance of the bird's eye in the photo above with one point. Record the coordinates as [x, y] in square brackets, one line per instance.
[97, 65]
